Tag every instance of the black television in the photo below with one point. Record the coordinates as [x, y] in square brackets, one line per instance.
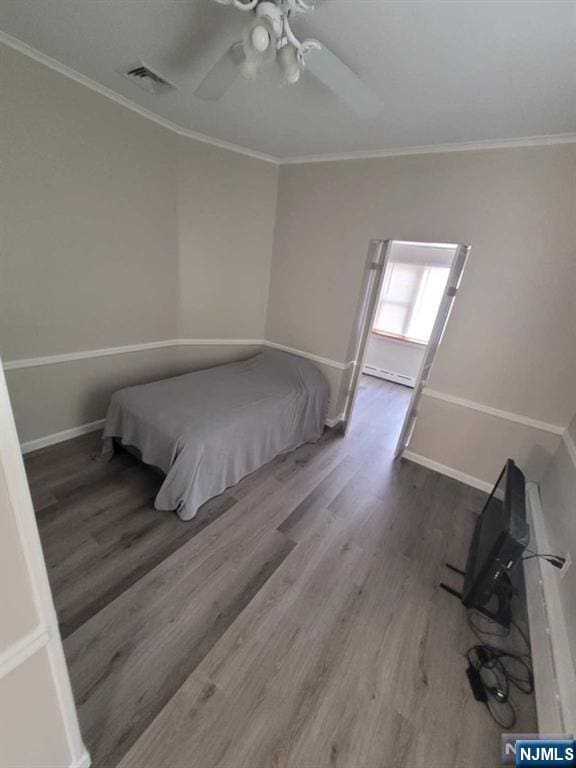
[500, 537]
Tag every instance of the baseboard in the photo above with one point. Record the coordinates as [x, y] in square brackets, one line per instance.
[94, 426]
[84, 761]
[59, 437]
[382, 373]
[333, 422]
[443, 469]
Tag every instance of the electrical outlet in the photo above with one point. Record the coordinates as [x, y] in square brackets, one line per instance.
[566, 565]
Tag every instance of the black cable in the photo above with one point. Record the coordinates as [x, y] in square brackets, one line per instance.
[504, 631]
[523, 635]
[555, 560]
[495, 670]
[494, 685]
[492, 671]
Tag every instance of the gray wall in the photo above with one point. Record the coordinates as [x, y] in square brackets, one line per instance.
[226, 210]
[89, 229]
[510, 342]
[116, 231]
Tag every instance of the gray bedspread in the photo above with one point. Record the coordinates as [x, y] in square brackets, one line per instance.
[208, 429]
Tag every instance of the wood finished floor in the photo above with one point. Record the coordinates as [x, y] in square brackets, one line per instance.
[295, 622]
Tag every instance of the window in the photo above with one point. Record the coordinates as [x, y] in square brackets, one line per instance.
[409, 301]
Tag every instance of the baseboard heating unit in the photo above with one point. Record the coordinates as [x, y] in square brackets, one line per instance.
[382, 373]
[554, 673]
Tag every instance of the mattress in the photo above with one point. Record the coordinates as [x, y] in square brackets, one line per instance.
[208, 429]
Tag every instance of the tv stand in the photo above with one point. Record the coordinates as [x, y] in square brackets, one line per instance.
[503, 591]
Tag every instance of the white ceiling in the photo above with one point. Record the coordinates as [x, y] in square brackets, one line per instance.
[446, 72]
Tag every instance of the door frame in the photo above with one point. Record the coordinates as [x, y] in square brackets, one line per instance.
[44, 637]
[440, 322]
[374, 271]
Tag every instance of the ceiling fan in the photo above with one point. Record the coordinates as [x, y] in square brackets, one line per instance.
[269, 38]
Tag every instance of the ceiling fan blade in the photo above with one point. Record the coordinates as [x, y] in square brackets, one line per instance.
[222, 75]
[337, 76]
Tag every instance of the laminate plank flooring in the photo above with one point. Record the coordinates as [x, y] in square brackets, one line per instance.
[295, 622]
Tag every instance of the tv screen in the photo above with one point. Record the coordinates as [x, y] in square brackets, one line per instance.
[500, 537]
[493, 523]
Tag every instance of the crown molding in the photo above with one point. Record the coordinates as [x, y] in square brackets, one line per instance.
[425, 149]
[103, 90]
[435, 149]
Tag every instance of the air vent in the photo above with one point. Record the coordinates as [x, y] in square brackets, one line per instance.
[147, 79]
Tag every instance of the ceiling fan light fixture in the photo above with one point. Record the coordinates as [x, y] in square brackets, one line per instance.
[270, 37]
[260, 38]
[272, 14]
[287, 58]
[259, 43]
[259, 31]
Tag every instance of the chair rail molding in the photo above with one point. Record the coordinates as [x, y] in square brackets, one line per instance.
[570, 445]
[70, 357]
[23, 648]
[67, 357]
[488, 409]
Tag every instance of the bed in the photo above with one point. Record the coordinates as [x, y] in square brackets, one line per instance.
[206, 430]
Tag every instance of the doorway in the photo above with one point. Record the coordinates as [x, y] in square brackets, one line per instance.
[408, 292]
